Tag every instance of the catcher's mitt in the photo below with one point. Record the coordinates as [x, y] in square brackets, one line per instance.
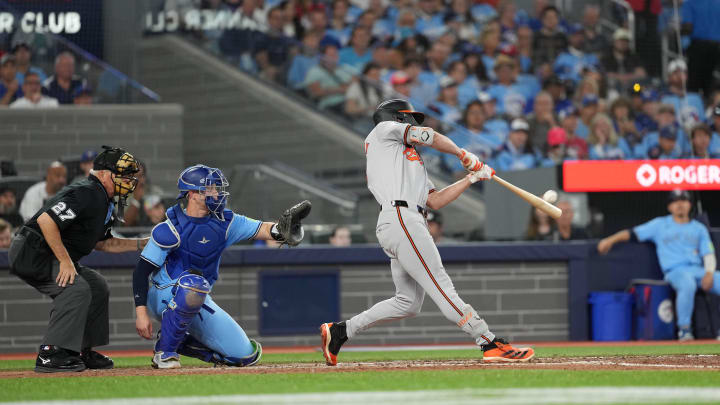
[289, 228]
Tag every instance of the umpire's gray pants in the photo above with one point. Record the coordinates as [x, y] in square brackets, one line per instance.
[79, 316]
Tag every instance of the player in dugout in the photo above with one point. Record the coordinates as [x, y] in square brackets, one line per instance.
[45, 254]
[685, 252]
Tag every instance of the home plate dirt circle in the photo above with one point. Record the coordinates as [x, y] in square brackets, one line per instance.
[669, 362]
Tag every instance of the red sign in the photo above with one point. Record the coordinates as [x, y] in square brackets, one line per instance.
[640, 175]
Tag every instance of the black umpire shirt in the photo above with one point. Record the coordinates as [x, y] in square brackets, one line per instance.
[82, 212]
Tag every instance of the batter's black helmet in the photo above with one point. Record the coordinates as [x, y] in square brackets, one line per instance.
[399, 111]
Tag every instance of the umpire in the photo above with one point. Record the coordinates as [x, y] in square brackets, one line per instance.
[45, 253]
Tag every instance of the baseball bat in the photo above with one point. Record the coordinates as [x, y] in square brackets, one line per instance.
[534, 200]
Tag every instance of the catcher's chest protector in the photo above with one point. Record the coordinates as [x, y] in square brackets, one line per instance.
[202, 241]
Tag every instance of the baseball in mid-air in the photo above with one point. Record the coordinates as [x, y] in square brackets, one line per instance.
[550, 196]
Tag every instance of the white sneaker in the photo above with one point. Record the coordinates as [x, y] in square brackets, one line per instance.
[166, 360]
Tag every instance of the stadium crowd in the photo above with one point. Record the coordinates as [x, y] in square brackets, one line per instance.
[520, 89]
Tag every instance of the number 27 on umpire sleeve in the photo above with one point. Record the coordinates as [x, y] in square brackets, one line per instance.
[62, 211]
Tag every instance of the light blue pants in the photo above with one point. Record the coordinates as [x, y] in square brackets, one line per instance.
[214, 327]
[685, 281]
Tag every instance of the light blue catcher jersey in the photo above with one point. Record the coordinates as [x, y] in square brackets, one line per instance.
[198, 244]
[676, 244]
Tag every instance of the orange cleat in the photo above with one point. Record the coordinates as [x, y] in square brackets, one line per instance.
[333, 337]
[500, 351]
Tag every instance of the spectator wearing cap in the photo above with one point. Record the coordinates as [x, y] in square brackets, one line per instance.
[589, 108]
[35, 196]
[715, 127]
[358, 53]
[327, 82]
[624, 123]
[23, 56]
[541, 120]
[685, 252]
[558, 91]
[689, 106]
[549, 41]
[495, 123]
[595, 41]
[620, 64]
[700, 137]
[63, 84]
[9, 86]
[652, 149]
[483, 12]
[8, 207]
[273, 47]
[604, 143]
[513, 96]
[474, 137]
[555, 147]
[430, 21]
[575, 147]
[363, 96]
[447, 107]
[304, 60]
[32, 94]
[517, 153]
[86, 164]
[401, 83]
[645, 118]
[700, 19]
[569, 65]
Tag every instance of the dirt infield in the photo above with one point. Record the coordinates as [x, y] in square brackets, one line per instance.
[671, 362]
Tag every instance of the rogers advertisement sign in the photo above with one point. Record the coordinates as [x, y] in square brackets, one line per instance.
[641, 175]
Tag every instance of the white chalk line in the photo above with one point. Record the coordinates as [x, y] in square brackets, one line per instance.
[543, 396]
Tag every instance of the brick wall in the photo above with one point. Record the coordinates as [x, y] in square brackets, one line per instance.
[523, 301]
[152, 132]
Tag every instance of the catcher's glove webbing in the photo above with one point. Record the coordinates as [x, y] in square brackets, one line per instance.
[288, 228]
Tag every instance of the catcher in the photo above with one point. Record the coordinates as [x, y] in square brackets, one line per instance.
[182, 259]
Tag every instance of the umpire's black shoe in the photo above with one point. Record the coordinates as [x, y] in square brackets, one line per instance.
[55, 359]
[96, 361]
[334, 335]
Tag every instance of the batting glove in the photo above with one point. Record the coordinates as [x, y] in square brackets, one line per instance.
[469, 161]
[485, 173]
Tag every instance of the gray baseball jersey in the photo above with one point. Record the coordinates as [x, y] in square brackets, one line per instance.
[395, 171]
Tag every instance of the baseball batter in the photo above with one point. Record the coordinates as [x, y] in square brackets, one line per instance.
[398, 180]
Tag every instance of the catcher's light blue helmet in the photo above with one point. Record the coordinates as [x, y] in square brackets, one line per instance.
[200, 178]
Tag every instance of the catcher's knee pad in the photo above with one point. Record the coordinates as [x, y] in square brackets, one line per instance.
[473, 325]
[189, 296]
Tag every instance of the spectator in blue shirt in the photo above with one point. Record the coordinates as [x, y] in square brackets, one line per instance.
[513, 97]
[339, 26]
[666, 145]
[688, 106]
[430, 18]
[589, 108]
[63, 85]
[645, 117]
[604, 143]
[304, 60]
[558, 91]
[467, 86]
[624, 124]
[700, 19]
[652, 149]
[685, 252]
[472, 136]
[495, 123]
[517, 153]
[490, 42]
[358, 53]
[570, 64]
[483, 13]
[700, 136]
[447, 106]
[9, 87]
[23, 55]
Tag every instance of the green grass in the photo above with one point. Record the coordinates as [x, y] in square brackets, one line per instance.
[79, 387]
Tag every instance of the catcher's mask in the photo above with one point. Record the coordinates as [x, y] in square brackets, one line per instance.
[123, 167]
[399, 111]
[210, 183]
